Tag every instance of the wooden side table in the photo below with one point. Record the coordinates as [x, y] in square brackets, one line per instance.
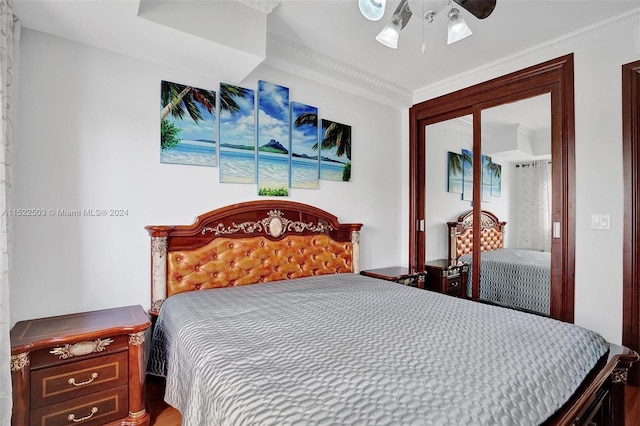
[399, 275]
[82, 368]
[445, 278]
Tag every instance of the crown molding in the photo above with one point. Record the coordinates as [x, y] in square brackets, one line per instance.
[538, 53]
[281, 51]
[264, 6]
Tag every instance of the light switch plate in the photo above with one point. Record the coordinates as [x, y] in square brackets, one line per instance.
[600, 221]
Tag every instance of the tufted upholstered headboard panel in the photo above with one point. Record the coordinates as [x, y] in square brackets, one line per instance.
[249, 243]
[461, 234]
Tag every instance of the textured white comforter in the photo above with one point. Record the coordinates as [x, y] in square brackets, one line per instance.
[352, 350]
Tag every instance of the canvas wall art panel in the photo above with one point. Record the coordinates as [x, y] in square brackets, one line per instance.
[486, 178]
[305, 161]
[467, 175]
[187, 125]
[335, 151]
[454, 181]
[237, 135]
[273, 139]
[496, 180]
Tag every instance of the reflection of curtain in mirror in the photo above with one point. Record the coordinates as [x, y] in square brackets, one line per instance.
[534, 207]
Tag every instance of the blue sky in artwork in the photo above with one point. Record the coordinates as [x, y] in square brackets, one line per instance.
[303, 138]
[239, 128]
[273, 113]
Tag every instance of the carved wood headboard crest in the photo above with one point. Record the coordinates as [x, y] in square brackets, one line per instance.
[461, 234]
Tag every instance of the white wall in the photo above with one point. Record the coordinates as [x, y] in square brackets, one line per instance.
[88, 138]
[599, 56]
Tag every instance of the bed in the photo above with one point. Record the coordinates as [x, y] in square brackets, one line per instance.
[515, 278]
[263, 319]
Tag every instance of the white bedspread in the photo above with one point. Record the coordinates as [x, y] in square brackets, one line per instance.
[352, 350]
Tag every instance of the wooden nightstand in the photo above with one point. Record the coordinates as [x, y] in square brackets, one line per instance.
[82, 368]
[397, 274]
[444, 278]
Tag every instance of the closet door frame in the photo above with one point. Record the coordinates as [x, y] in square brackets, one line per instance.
[554, 77]
[631, 250]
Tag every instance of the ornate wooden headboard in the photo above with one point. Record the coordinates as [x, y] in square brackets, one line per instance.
[461, 234]
[249, 243]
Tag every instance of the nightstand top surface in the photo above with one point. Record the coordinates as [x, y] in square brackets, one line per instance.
[440, 263]
[389, 272]
[37, 333]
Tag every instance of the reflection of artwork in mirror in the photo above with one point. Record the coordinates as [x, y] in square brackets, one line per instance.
[273, 139]
[486, 178]
[496, 180]
[455, 173]
[467, 175]
[335, 160]
[304, 146]
[237, 138]
[187, 125]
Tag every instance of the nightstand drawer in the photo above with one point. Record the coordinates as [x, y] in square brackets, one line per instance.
[55, 384]
[453, 286]
[72, 352]
[94, 409]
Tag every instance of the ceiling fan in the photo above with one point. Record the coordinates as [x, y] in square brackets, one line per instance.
[457, 29]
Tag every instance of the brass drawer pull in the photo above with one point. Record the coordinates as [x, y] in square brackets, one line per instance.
[72, 381]
[454, 284]
[72, 417]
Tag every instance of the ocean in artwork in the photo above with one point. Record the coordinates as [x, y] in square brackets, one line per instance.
[272, 168]
[330, 170]
[237, 165]
[194, 153]
[304, 173]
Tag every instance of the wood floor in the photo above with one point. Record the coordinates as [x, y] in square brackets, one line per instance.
[165, 415]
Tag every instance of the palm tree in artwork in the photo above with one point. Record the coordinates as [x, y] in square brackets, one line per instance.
[335, 135]
[178, 100]
[455, 164]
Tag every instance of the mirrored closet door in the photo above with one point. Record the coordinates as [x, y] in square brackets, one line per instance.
[492, 170]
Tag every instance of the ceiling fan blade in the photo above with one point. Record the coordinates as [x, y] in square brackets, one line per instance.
[478, 8]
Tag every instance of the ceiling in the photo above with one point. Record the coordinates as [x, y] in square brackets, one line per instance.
[327, 40]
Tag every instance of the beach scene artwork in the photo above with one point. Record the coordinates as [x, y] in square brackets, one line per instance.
[455, 173]
[496, 180]
[486, 178]
[187, 125]
[335, 151]
[467, 175]
[273, 139]
[237, 134]
[305, 164]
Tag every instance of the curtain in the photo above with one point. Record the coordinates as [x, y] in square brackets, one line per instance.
[9, 38]
[534, 208]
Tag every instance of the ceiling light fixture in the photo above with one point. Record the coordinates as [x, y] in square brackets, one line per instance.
[457, 28]
[391, 32]
[372, 9]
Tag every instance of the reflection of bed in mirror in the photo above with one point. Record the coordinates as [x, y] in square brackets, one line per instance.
[516, 278]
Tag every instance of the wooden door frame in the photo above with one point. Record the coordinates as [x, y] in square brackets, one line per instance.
[631, 253]
[555, 77]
